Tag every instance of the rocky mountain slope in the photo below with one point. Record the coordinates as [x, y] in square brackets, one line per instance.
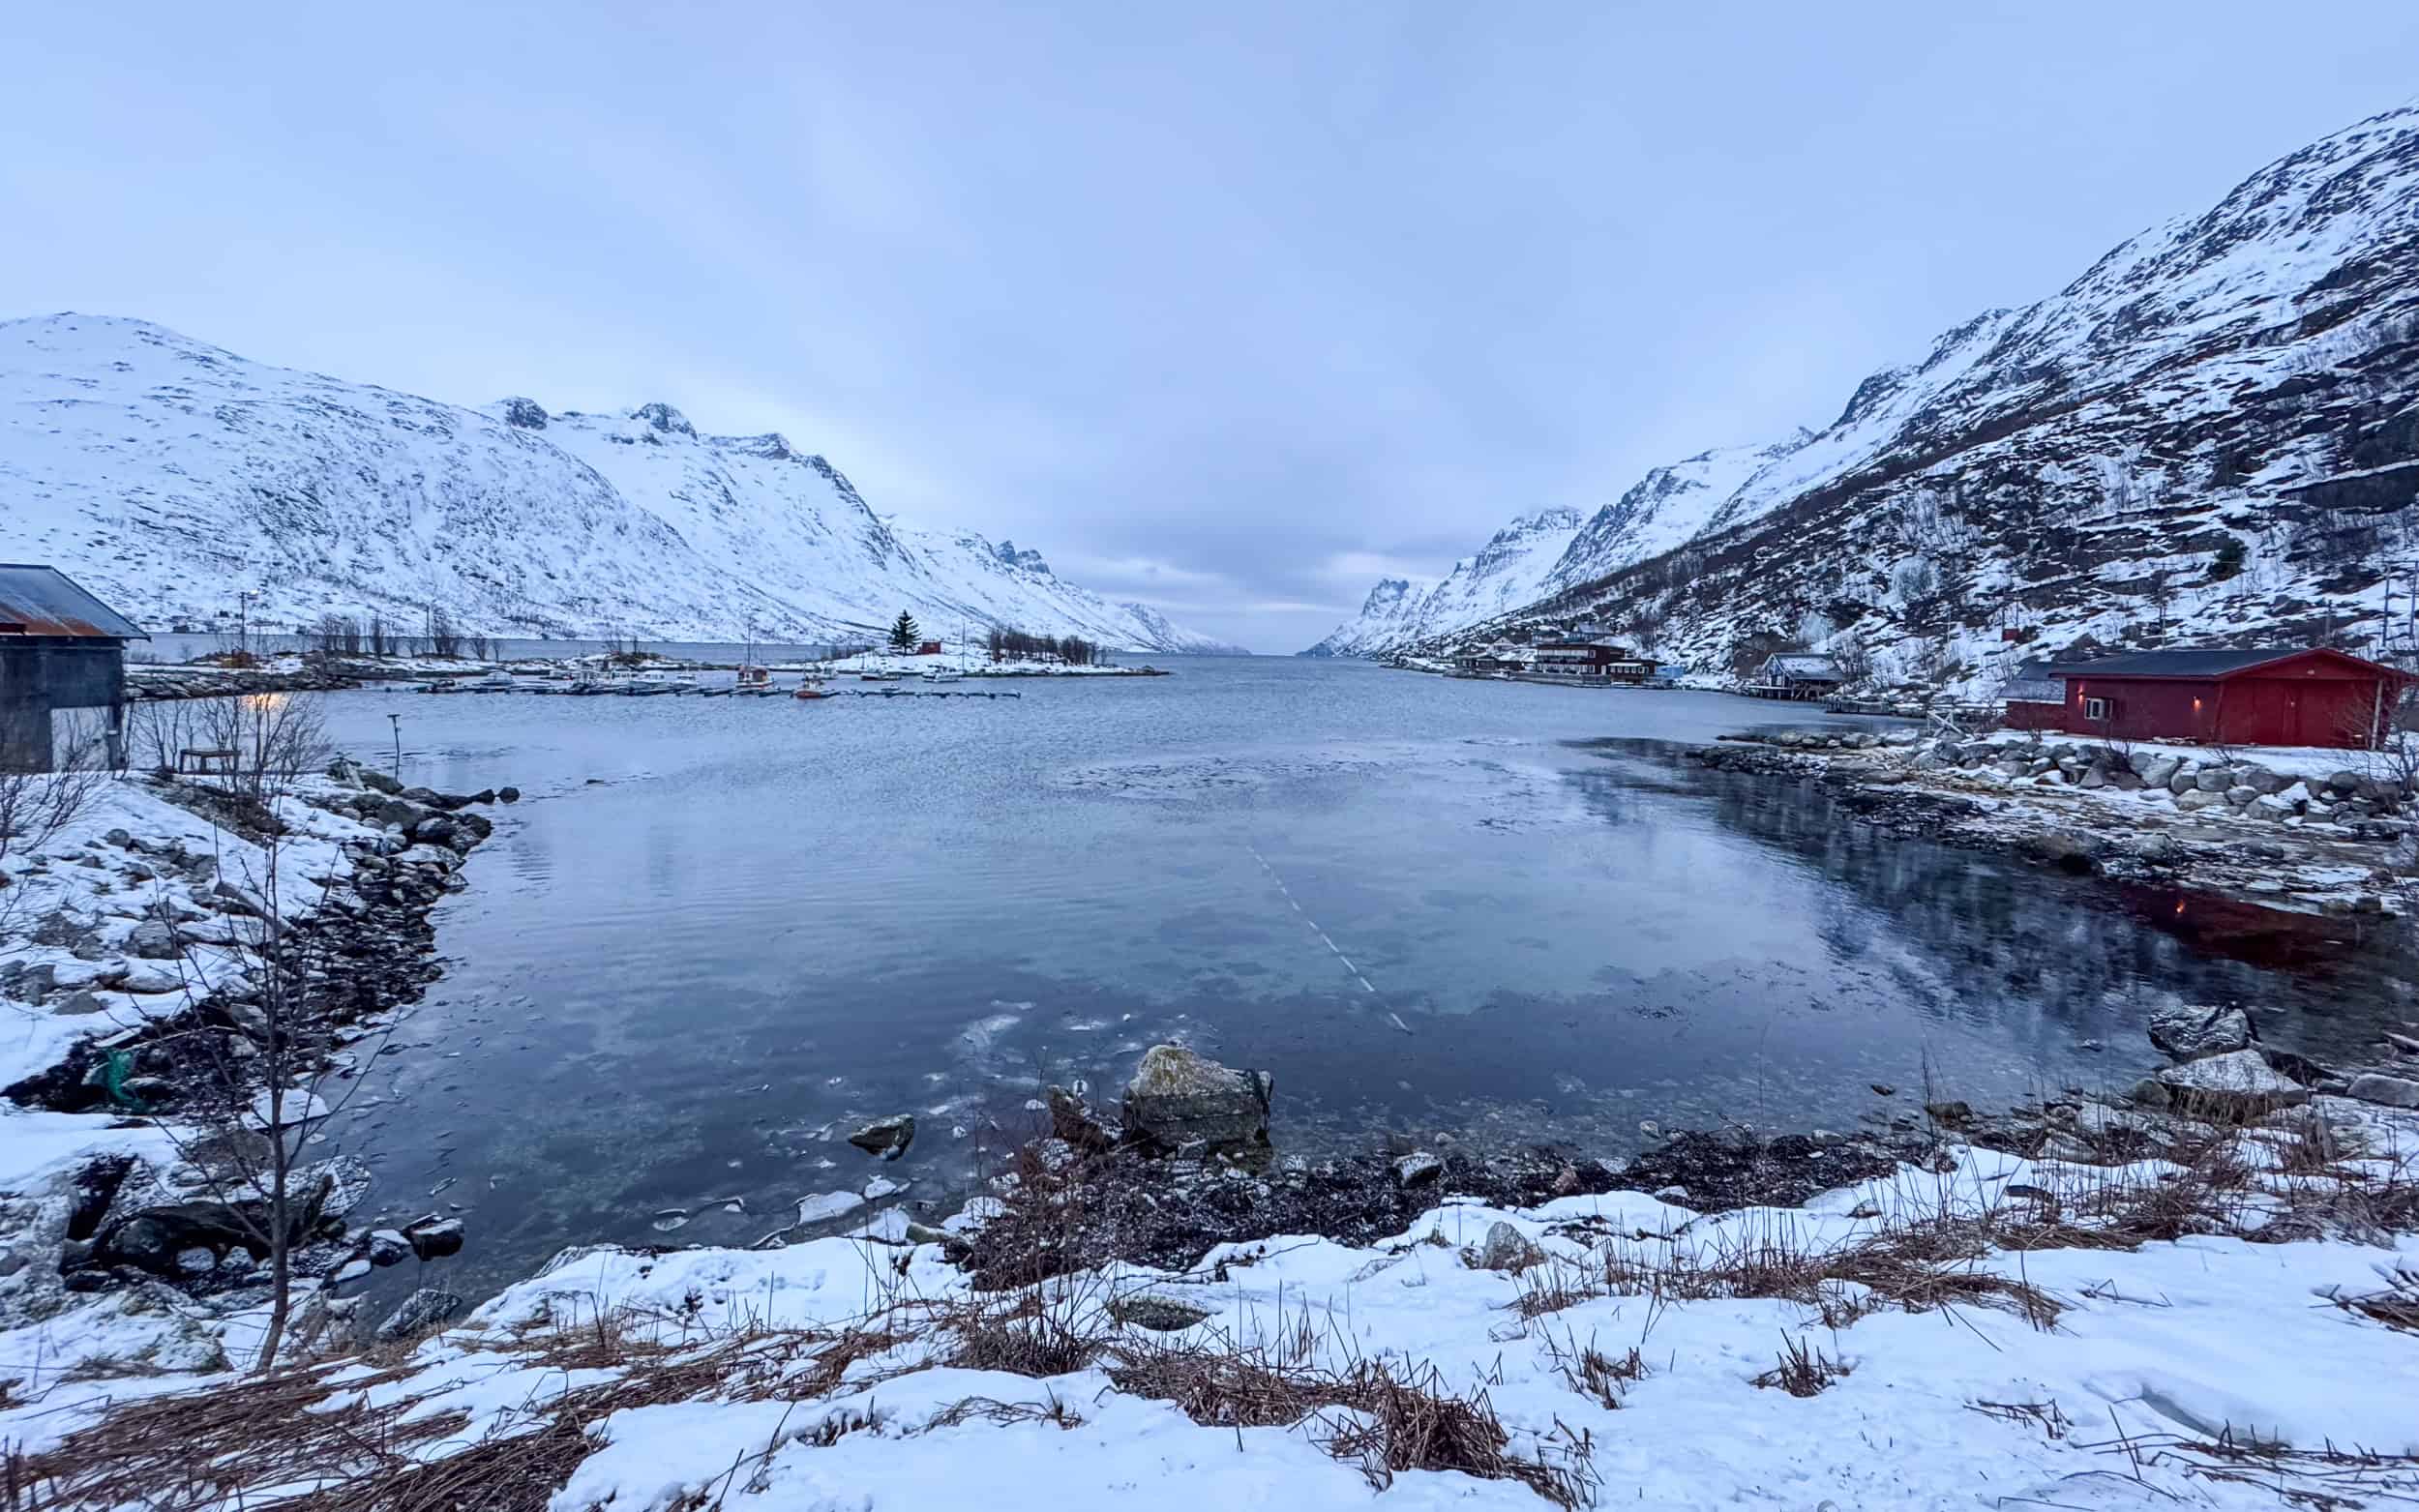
[170, 477]
[1511, 570]
[2212, 435]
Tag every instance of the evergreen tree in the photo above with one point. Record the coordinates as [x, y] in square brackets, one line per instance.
[903, 636]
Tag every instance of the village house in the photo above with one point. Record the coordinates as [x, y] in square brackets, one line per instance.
[1795, 674]
[2272, 696]
[1592, 658]
[60, 648]
[2034, 698]
[1502, 656]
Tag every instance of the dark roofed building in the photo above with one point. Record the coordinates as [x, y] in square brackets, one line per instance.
[60, 648]
[2245, 696]
[1797, 675]
[2035, 695]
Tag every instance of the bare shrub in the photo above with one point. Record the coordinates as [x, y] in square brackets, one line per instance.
[274, 737]
[35, 807]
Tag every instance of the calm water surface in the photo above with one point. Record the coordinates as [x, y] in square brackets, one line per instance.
[716, 932]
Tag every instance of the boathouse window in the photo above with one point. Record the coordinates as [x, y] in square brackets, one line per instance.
[2095, 708]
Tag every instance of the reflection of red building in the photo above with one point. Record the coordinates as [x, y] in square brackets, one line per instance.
[2271, 697]
[929, 648]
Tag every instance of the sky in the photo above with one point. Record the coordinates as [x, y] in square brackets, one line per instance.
[1227, 307]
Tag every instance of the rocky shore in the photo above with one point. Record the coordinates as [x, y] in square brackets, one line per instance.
[2315, 837]
[181, 940]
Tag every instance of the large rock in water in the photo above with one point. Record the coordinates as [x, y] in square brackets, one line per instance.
[2239, 1084]
[2190, 1033]
[1178, 1099]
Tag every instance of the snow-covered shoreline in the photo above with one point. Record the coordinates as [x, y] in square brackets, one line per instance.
[2021, 1331]
[139, 931]
[2308, 831]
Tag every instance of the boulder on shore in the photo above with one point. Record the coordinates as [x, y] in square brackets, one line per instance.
[2188, 1033]
[2389, 1091]
[424, 1311]
[1178, 1099]
[2237, 1086]
[1507, 1248]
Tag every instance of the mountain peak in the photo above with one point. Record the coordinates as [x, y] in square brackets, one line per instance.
[662, 417]
[525, 413]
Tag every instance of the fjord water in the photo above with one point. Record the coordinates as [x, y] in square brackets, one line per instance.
[716, 932]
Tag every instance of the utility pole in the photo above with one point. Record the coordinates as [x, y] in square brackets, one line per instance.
[243, 618]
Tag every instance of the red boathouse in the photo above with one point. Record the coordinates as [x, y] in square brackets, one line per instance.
[2277, 695]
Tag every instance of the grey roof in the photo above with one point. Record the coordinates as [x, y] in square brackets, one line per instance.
[2193, 662]
[1812, 663]
[46, 602]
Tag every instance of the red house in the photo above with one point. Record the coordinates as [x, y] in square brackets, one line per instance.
[2278, 696]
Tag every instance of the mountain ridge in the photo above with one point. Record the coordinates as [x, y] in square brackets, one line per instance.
[2070, 473]
[173, 476]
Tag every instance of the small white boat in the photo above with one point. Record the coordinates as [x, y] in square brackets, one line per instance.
[943, 674]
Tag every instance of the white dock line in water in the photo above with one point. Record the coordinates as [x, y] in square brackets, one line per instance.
[1334, 949]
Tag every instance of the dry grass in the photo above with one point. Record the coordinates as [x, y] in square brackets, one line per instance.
[2324, 1479]
[1802, 1370]
[1591, 1372]
[1913, 1267]
[1024, 1335]
[2394, 1304]
[1383, 1417]
[334, 1451]
[1936, 1245]
[1052, 1409]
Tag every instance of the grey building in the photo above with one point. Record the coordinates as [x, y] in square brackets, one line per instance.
[60, 648]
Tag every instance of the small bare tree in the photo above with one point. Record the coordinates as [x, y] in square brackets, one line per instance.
[36, 806]
[443, 638]
[270, 1076]
[275, 736]
[159, 731]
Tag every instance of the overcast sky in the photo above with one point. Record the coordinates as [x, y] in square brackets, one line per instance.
[1230, 308]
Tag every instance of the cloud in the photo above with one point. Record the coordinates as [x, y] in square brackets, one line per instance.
[1237, 310]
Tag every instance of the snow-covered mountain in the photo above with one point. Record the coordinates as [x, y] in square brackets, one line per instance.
[170, 477]
[1511, 570]
[1390, 617]
[1667, 508]
[2213, 433]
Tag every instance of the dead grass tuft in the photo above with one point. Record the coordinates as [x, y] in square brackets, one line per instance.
[1591, 1372]
[1802, 1371]
[1052, 1409]
[2394, 1304]
[1383, 1417]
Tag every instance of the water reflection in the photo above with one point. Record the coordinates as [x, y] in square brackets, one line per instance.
[714, 934]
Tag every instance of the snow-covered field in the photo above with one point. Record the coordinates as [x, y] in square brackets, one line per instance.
[1638, 1357]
